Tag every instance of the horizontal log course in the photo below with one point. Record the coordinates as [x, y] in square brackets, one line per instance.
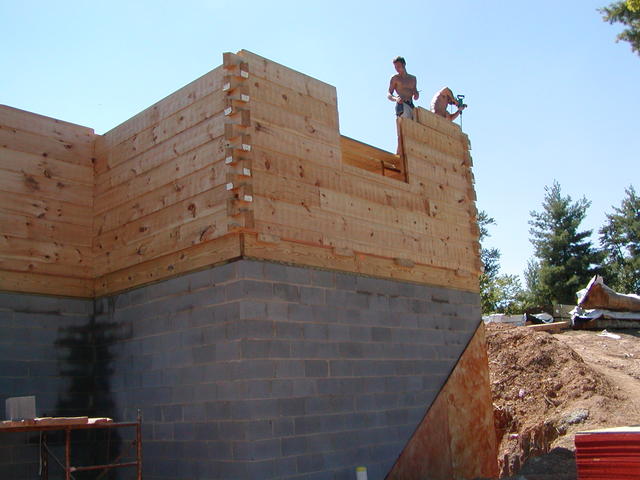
[37, 165]
[292, 101]
[207, 160]
[326, 258]
[162, 243]
[206, 254]
[15, 118]
[207, 120]
[174, 103]
[289, 78]
[44, 208]
[32, 282]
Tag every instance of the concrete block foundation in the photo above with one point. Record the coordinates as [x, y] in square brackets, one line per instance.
[246, 370]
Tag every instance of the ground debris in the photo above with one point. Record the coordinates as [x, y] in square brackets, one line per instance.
[544, 392]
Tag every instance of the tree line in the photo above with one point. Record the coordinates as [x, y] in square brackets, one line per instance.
[565, 257]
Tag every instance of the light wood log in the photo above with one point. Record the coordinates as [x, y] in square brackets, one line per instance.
[293, 101]
[78, 153]
[46, 284]
[43, 208]
[180, 99]
[274, 72]
[175, 263]
[45, 126]
[31, 164]
[42, 187]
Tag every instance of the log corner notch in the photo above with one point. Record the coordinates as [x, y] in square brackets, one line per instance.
[238, 148]
[247, 160]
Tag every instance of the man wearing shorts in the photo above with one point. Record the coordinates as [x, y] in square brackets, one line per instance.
[405, 88]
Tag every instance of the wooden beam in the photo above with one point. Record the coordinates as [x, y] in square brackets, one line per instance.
[43, 208]
[206, 159]
[195, 126]
[175, 263]
[31, 164]
[46, 126]
[323, 257]
[289, 78]
[180, 99]
[46, 187]
[78, 153]
[46, 284]
[293, 101]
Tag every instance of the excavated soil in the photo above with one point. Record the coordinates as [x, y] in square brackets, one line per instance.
[546, 387]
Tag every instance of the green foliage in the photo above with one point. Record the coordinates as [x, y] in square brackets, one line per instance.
[620, 240]
[627, 13]
[565, 255]
[498, 293]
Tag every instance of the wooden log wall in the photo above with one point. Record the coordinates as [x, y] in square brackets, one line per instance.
[248, 161]
[313, 202]
[46, 204]
[160, 195]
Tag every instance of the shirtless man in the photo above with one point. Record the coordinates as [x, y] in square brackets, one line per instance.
[405, 86]
[442, 100]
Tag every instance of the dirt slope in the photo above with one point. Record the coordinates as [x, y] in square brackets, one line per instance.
[547, 387]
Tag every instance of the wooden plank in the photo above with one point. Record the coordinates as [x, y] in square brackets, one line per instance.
[418, 221]
[443, 143]
[46, 284]
[45, 252]
[31, 164]
[39, 229]
[271, 137]
[45, 126]
[208, 118]
[180, 189]
[40, 208]
[207, 159]
[78, 153]
[323, 257]
[42, 187]
[166, 242]
[276, 187]
[175, 263]
[429, 119]
[341, 230]
[203, 204]
[178, 100]
[30, 265]
[274, 72]
[301, 123]
[293, 101]
[423, 170]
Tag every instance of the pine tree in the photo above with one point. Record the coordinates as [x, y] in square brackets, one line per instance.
[626, 12]
[566, 258]
[620, 240]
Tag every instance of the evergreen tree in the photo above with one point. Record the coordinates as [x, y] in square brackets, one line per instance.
[620, 240]
[498, 293]
[626, 12]
[565, 255]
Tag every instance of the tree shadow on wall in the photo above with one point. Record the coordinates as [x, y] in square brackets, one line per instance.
[87, 364]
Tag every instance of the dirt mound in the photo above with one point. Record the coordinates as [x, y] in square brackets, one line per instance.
[543, 391]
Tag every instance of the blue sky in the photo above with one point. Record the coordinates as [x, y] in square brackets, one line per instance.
[551, 95]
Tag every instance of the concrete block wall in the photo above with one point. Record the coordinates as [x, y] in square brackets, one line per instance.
[260, 370]
[45, 350]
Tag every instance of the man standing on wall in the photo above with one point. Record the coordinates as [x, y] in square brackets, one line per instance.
[405, 86]
[442, 100]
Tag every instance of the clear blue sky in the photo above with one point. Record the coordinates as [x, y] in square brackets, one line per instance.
[550, 93]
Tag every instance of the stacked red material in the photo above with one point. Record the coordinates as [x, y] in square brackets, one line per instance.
[607, 454]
